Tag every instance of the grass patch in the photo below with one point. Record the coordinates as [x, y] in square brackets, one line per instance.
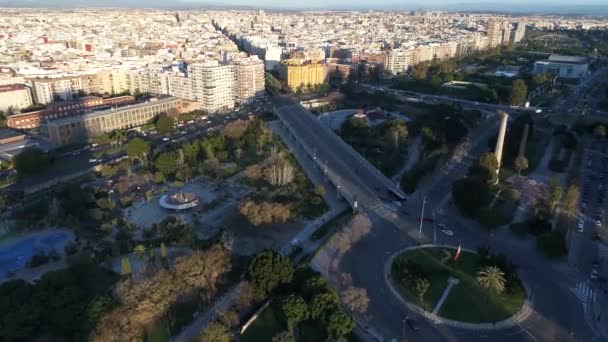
[468, 301]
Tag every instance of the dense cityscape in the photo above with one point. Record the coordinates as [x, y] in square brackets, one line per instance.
[221, 175]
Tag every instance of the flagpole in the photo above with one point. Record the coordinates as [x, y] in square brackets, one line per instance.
[421, 218]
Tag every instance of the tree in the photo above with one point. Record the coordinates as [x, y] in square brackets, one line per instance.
[323, 303]
[519, 92]
[419, 71]
[396, 134]
[272, 84]
[294, 310]
[167, 163]
[521, 164]
[164, 125]
[215, 332]
[163, 250]
[571, 199]
[339, 324]
[279, 171]
[355, 299]
[30, 161]
[138, 148]
[205, 269]
[491, 278]
[108, 170]
[268, 270]
[264, 212]
[489, 164]
[421, 285]
[556, 194]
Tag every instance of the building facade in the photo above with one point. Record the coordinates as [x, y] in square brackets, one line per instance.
[78, 128]
[398, 61]
[14, 96]
[250, 79]
[563, 66]
[298, 72]
[213, 85]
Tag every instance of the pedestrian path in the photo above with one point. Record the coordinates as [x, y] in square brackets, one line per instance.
[451, 283]
[584, 292]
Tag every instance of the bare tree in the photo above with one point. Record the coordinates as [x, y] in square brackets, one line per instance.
[279, 171]
[355, 299]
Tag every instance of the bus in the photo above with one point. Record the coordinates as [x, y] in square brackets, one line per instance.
[397, 194]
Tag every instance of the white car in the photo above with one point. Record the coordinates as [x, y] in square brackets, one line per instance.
[447, 232]
[165, 139]
[443, 226]
[92, 160]
[581, 226]
[598, 223]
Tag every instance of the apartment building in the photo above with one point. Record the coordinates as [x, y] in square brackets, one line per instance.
[46, 90]
[250, 79]
[77, 128]
[299, 72]
[14, 96]
[213, 84]
[398, 61]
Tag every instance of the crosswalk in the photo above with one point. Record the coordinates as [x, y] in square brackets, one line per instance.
[584, 292]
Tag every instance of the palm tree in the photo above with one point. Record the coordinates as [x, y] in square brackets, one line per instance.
[600, 131]
[492, 278]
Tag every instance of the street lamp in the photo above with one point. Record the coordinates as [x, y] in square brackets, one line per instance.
[421, 218]
[434, 229]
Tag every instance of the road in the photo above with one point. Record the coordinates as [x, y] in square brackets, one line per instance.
[392, 231]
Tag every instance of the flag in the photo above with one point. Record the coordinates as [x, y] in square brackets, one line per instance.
[457, 254]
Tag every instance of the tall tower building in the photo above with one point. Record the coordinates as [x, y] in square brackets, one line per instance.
[250, 79]
[504, 118]
[494, 33]
[213, 84]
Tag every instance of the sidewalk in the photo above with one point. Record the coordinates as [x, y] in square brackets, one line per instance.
[413, 153]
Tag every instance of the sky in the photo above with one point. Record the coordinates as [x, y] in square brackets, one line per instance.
[591, 7]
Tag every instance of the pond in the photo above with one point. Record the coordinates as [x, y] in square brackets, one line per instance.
[17, 251]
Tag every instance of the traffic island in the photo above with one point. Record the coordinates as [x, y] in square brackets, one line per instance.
[468, 291]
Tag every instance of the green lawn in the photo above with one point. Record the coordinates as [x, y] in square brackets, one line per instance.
[264, 328]
[467, 302]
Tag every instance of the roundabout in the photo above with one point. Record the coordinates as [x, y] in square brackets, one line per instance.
[464, 290]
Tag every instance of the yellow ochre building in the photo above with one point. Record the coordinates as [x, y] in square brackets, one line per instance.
[300, 72]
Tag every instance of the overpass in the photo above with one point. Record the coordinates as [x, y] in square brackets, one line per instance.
[356, 180]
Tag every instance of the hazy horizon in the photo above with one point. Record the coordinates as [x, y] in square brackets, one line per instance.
[587, 7]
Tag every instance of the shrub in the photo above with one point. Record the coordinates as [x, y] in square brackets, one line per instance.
[38, 259]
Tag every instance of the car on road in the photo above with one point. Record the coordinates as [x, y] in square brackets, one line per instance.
[443, 226]
[165, 139]
[598, 223]
[93, 160]
[447, 232]
[581, 226]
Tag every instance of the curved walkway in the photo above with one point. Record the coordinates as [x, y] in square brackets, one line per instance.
[436, 319]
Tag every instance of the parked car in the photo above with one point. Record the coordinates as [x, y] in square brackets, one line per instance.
[93, 160]
[595, 273]
[581, 226]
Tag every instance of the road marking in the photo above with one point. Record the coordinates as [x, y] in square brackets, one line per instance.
[527, 332]
[584, 292]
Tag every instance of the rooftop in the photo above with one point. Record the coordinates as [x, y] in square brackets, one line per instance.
[567, 59]
[11, 87]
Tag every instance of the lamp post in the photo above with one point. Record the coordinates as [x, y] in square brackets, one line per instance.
[434, 229]
[421, 218]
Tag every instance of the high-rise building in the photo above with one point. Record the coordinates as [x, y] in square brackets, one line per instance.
[398, 61]
[47, 89]
[213, 84]
[494, 33]
[250, 79]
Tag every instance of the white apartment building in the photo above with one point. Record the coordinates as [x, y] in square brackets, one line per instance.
[213, 84]
[250, 79]
[398, 61]
[15, 96]
[181, 86]
[46, 89]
